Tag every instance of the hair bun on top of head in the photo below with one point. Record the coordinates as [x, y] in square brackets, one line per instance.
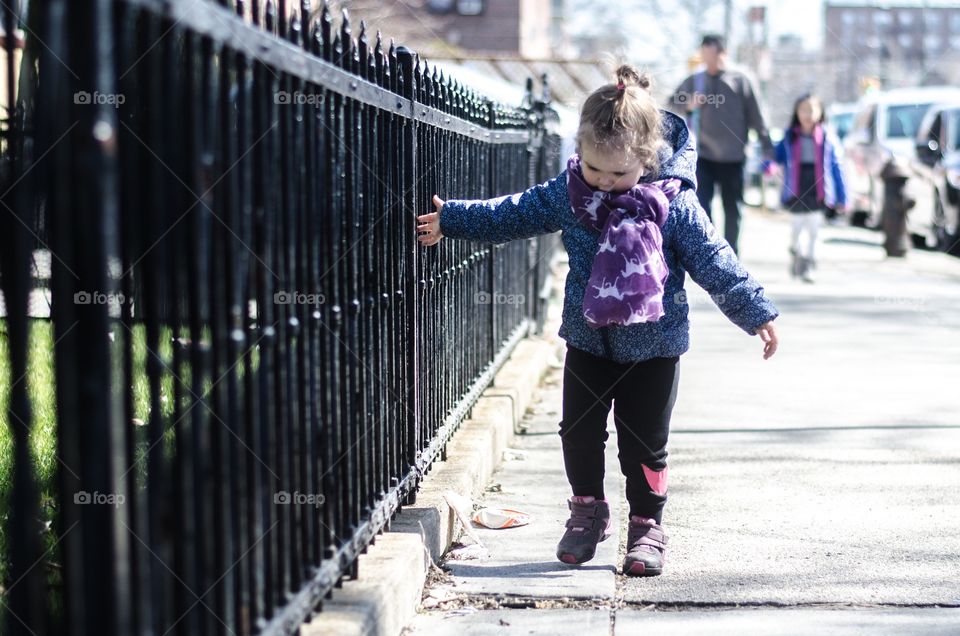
[623, 118]
[628, 76]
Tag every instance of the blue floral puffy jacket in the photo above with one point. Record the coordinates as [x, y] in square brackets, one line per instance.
[690, 244]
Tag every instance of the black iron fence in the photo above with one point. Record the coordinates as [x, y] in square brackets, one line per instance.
[253, 361]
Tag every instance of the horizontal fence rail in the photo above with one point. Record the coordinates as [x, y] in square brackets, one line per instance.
[252, 362]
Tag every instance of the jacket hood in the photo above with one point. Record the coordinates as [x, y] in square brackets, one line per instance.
[678, 157]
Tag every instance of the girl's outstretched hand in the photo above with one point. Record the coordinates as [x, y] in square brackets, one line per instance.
[769, 336]
[429, 228]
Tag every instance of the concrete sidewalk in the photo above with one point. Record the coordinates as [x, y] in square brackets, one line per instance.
[814, 492]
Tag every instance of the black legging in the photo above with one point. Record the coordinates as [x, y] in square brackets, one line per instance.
[642, 395]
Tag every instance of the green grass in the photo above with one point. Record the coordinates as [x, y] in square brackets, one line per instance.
[41, 386]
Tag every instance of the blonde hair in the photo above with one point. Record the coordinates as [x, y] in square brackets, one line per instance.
[623, 115]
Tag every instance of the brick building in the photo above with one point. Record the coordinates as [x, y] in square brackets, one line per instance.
[519, 27]
[904, 43]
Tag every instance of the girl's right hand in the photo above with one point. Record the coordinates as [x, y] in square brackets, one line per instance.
[429, 228]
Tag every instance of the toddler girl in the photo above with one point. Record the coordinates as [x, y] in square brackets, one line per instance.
[627, 208]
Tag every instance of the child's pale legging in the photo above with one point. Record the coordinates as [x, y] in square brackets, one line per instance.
[809, 222]
[642, 395]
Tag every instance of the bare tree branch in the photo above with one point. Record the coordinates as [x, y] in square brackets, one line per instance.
[408, 22]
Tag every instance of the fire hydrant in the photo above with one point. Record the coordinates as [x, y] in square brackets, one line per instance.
[896, 204]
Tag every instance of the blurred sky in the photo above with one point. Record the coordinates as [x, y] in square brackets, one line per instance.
[802, 17]
[660, 36]
[676, 25]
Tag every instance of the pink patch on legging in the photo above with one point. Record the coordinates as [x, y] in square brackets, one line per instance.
[657, 480]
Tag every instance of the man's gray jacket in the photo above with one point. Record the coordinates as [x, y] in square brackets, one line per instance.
[728, 107]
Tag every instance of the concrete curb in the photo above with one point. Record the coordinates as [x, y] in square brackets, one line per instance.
[384, 598]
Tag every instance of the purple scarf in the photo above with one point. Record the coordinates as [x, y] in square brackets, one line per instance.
[629, 270]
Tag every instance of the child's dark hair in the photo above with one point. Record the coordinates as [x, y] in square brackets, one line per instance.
[623, 115]
[714, 40]
[795, 121]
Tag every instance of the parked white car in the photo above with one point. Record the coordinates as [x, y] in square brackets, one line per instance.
[935, 219]
[884, 127]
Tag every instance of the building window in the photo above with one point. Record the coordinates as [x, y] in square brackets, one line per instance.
[849, 17]
[955, 22]
[906, 41]
[882, 18]
[931, 42]
[440, 6]
[905, 17]
[470, 7]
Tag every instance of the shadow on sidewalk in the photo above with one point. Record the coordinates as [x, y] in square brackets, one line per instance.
[521, 570]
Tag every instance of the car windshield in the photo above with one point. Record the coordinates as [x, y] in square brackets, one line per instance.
[842, 123]
[904, 119]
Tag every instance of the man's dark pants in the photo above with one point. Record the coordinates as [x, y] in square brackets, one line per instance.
[728, 176]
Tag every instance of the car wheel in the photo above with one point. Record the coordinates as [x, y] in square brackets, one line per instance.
[953, 247]
[858, 218]
[948, 240]
[940, 224]
[945, 240]
[949, 243]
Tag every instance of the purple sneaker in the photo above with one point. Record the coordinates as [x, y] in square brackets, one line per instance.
[646, 547]
[588, 525]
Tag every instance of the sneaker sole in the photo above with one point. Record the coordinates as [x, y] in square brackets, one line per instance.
[570, 559]
[637, 568]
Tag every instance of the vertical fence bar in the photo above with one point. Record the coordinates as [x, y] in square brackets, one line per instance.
[243, 453]
[26, 611]
[261, 422]
[89, 407]
[410, 250]
[140, 567]
[54, 99]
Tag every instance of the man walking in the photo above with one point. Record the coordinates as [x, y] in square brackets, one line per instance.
[721, 105]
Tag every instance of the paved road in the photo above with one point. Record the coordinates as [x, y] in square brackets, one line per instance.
[814, 492]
